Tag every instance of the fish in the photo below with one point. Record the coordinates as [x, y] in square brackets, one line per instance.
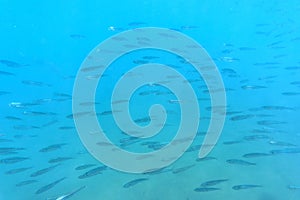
[10, 63]
[262, 130]
[59, 159]
[13, 118]
[193, 148]
[156, 171]
[295, 39]
[206, 158]
[128, 141]
[4, 93]
[275, 43]
[35, 83]
[239, 162]
[140, 62]
[104, 144]
[5, 140]
[64, 95]
[93, 172]
[25, 127]
[247, 48]
[279, 56]
[213, 182]
[286, 150]
[228, 59]
[295, 83]
[188, 27]
[256, 137]
[241, 117]
[293, 187]
[144, 93]
[106, 113]
[82, 167]
[156, 146]
[6, 73]
[266, 63]
[92, 68]
[119, 101]
[136, 23]
[50, 123]
[77, 36]
[66, 127]
[23, 105]
[134, 182]
[43, 171]
[205, 189]
[142, 120]
[227, 51]
[69, 195]
[252, 87]
[52, 147]
[242, 187]
[76, 115]
[292, 68]
[267, 77]
[113, 28]
[280, 143]
[270, 122]
[13, 160]
[228, 71]
[38, 113]
[9, 149]
[49, 186]
[277, 108]
[182, 169]
[27, 182]
[232, 142]
[150, 57]
[18, 170]
[254, 155]
[290, 93]
[149, 143]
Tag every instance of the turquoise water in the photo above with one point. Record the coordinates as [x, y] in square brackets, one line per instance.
[254, 44]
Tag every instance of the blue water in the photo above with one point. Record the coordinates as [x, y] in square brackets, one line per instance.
[254, 44]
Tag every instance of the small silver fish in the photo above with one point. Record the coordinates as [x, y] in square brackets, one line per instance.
[134, 182]
[82, 167]
[4, 93]
[27, 182]
[6, 73]
[241, 117]
[52, 147]
[239, 162]
[43, 171]
[243, 187]
[13, 160]
[285, 150]
[254, 155]
[59, 159]
[10, 63]
[18, 170]
[92, 172]
[213, 182]
[49, 186]
[206, 158]
[293, 187]
[182, 169]
[205, 189]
